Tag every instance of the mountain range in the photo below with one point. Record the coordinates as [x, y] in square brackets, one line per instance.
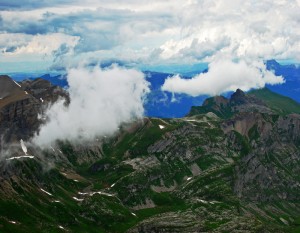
[167, 105]
[230, 165]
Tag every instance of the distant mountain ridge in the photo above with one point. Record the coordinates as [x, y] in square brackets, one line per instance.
[260, 100]
[164, 104]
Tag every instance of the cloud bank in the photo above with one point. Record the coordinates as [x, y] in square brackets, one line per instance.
[101, 100]
[156, 32]
[223, 76]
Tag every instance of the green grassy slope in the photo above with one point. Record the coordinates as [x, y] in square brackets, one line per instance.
[279, 103]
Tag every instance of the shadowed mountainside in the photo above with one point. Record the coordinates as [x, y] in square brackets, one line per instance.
[21, 104]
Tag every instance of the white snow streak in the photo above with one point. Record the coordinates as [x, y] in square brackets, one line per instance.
[202, 201]
[52, 149]
[17, 83]
[21, 157]
[46, 192]
[93, 193]
[161, 126]
[24, 148]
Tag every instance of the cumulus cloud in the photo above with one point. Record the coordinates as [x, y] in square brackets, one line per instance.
[156, 32]
[14, 45]
[101, 100]
[223, 76]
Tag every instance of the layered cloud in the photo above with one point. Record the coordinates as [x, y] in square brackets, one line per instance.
[223, 76]
[35, 44]
[101, 100]
[158, 31]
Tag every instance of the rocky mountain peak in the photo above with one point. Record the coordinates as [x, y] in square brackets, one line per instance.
[238, 97]
[238, 102]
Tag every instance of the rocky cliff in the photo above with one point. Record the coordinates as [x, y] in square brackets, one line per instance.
[22, 104]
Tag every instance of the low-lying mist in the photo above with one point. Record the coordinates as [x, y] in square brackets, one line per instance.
[101, 100]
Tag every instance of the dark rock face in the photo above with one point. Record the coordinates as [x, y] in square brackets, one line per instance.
[269, 171]
[43, 90]
[19, 120]
[21, 104]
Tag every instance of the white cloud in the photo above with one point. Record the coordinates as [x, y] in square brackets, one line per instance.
[223, 76]
[35, 44]
[183, 31]
[46, 44]
[101, 100]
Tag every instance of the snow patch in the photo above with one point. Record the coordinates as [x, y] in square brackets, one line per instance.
[26, 92]
[93, 193]
[24, 148]
[190, 120]
[61, 227]
[133, 214]
[113, 185]
[46, 192]
[161, 126]
[76, 180]
[77, 199]
[12, 222]
[21, 157]
[189, 178]
[284, 221]
[214, 202]
[41, 99]
[17, 83]
[202, 201]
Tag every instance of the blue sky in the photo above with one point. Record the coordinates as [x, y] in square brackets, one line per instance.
[157, 35]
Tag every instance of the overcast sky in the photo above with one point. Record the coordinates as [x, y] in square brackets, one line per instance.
[56, 34]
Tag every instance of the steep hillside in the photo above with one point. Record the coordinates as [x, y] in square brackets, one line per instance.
[279, 103]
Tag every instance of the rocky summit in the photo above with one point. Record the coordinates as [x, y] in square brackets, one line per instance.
[230, 165]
